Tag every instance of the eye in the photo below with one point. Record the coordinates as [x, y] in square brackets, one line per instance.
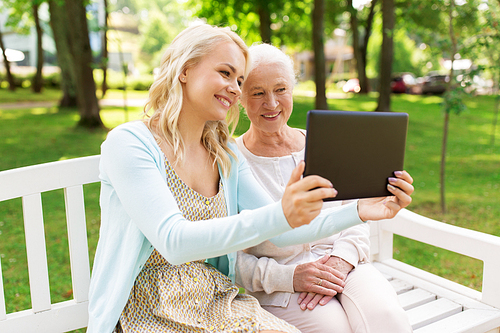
[225, 73]
[258, 93]
[280, 90]
[240, 83]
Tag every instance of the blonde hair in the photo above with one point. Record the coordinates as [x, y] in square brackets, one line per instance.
[165, 95]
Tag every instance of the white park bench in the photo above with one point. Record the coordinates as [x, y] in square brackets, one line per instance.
[433, 304]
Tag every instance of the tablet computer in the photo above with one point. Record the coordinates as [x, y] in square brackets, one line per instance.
[357, 151]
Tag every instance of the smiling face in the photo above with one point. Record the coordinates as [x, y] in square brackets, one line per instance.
[212, 86]
[267, 97]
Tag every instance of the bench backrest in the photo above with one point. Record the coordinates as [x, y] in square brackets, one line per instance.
[471, 243]
[29, 183]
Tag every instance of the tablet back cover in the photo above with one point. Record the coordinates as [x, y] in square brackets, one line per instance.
[356, 151]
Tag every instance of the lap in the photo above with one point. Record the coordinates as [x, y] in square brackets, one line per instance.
[329, 318]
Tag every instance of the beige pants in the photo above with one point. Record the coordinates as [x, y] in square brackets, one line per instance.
[368, 304]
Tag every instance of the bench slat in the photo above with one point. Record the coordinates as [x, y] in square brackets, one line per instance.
[36, 252]
[415, 297]
[431, 312]
[400, 286]
[77, 238]
[63, 317]
[473, 320]
[48, 176]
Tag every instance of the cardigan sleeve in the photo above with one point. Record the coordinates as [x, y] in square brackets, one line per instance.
[128, 165]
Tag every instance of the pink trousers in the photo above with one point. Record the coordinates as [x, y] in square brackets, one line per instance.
[368, 304]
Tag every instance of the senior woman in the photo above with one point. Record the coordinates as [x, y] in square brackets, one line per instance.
[285, 280]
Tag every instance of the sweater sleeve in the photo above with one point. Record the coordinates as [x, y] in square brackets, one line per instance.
[330, 221]
[129, 168]
[263, 274]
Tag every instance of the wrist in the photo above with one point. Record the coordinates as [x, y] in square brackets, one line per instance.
[358, 204]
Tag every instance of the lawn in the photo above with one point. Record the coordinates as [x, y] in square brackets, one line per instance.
[36, 135]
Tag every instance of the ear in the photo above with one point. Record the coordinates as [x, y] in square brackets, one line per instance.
[184, 75]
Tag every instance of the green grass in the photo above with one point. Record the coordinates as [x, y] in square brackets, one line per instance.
[38, 135]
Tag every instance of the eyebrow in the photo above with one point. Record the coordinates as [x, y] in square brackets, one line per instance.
[233, 69]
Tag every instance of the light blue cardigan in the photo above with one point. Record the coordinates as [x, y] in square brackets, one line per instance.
[139, 213]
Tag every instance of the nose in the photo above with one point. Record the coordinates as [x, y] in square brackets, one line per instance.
[271, 102]
[234, 88]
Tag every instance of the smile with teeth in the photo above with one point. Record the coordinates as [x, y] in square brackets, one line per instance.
[271, 115]
[223, 101]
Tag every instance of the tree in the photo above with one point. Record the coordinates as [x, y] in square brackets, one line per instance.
[319, 55]
[59, 23]
[384, 98]
[38, 79]
[360, 44]
[104, 49]
[81, 54]
[10, 78]
[23, 15]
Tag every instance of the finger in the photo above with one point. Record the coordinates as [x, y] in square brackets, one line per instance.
[312, 304]
[320, 193]
[403, 199]
[404, 175]
[301, 297]
[306, 300]
[328, 288]
[323, 260]
[402, 184]
[325, 300]
[331, 275]
[297, 173]
[311, 182]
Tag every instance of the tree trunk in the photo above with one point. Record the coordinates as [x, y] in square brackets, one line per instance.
[10, 78]
[264, 21]
[59, 23]
[38, 79]
[104, 52]
[443, 162]
[364, 83]
[355, 42]
[384, 98]
[82, 58]
[447, 112]
[319, 55]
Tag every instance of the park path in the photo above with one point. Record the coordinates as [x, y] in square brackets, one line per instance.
[49, 104]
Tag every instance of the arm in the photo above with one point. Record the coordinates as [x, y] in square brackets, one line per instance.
[130, 172]
[263, 274]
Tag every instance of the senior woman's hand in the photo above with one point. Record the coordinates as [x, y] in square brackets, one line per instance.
[303, 198]
[388, 207]
[311, 299]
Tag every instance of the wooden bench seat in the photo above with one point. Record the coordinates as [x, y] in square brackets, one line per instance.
[433, 304]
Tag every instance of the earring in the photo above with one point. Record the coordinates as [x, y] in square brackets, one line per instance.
[183, 79]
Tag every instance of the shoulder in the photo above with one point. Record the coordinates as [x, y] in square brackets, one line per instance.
[129, 134]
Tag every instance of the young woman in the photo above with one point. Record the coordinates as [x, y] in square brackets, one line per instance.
[175, 191]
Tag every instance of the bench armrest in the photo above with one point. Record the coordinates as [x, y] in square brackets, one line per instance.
[467, 242]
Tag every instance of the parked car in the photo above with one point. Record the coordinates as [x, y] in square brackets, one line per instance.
[435, 84]
[352, 85]
[405, 83]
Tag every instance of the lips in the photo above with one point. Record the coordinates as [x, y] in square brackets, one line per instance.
[224, 101]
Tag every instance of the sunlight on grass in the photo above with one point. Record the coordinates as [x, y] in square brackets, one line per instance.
[455, 267]
[432, 100]
[113, 116]
[41, 111]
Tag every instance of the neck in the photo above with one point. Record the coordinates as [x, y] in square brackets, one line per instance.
[281, 143]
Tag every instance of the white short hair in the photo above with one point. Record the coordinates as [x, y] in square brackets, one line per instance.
[262, 53]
